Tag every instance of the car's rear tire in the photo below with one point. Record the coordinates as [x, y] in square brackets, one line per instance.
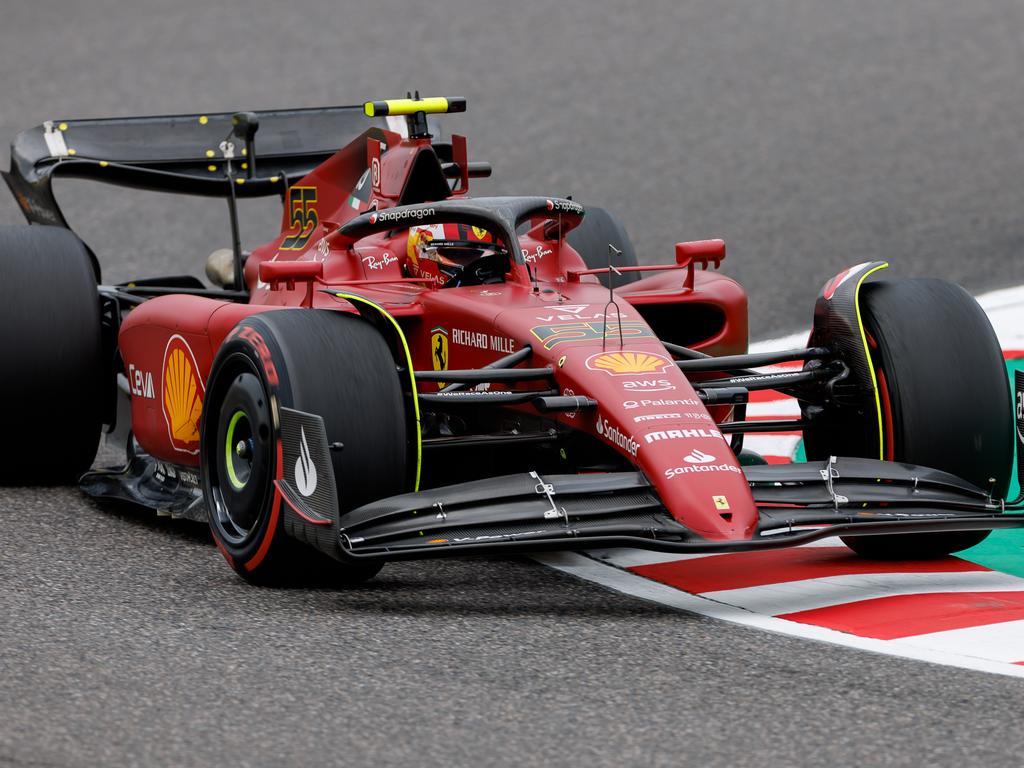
[945, 397]
[592, 237]
[51, 338]
[334, 365]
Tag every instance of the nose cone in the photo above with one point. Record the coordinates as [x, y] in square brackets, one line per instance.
[647, 410]
[651, 414]
[700, 481]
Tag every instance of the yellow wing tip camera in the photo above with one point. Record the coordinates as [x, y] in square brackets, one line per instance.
[435, 105]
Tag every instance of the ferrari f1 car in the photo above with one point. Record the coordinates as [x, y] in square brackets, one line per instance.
[407, 371]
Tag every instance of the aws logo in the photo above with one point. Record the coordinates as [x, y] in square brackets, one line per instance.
[183, 395]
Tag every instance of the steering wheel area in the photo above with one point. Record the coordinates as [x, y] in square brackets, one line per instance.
[469, 262]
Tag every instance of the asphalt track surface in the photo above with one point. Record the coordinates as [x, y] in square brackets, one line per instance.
[810, 135]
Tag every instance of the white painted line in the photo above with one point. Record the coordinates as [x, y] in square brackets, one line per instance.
[630, 558]
[1002, 642]
[772, 445]
[809, 594]
[645, 589]
[783, 408]
[1004, 298]
[792, 341]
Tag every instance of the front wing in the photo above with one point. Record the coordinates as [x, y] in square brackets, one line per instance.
[799, 503]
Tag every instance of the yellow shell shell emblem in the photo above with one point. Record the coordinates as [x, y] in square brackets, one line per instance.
[183, 396]
[617, 363]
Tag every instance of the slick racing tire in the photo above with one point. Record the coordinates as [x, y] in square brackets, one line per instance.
[592, 237]
[329, 364]
[945, 399]
[51, 338]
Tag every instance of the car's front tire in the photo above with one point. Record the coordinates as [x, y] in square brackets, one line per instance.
[945, 400]
[330, 364]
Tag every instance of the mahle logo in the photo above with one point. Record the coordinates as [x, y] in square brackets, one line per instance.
[680, 434]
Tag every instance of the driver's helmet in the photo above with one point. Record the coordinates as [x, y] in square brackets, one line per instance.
[445, 251]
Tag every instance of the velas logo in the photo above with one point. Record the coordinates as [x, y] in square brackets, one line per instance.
[305, 469]
[625, 363]
[183, 395]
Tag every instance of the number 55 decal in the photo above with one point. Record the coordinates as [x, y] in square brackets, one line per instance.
[302, 218]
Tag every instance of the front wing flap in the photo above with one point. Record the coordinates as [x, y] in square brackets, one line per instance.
[578, 512]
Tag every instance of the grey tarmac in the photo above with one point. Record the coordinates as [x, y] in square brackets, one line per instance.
[809, 135]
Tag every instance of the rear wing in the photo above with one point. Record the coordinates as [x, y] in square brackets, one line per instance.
[179, 153]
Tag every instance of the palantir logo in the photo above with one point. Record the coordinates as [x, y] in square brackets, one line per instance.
[305, 469]
[698, 457]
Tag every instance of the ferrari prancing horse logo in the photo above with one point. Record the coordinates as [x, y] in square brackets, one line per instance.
[439, 350]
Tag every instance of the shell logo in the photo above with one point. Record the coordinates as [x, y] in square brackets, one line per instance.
[183, 395]
[621, 363]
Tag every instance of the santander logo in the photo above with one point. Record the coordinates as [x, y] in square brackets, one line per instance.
[305, 469]
[698, 457]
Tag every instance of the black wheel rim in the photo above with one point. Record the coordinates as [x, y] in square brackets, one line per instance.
[242, 459]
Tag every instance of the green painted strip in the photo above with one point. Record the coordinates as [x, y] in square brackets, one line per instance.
[1002, 550]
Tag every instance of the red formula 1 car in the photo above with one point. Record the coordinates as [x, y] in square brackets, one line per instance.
[407, 371]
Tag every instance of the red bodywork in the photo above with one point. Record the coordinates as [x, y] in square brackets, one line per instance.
[648, 412]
